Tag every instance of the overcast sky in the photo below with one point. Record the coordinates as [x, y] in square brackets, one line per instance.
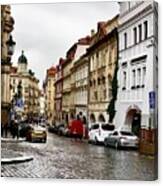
[46, 31]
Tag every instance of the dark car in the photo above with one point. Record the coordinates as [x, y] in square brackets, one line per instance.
[52, 129]
[60, 129]
[24, 128]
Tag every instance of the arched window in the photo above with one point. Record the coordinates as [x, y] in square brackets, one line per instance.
[92, 118]
[101, 118]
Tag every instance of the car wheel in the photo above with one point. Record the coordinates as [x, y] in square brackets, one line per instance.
[96, 141]
[116, 144]
[105, 143]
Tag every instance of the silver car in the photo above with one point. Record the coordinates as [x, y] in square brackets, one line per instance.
[122, 139]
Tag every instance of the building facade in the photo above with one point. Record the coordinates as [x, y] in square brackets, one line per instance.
[138, 66]
[49, 89]
[71, 74]
[102, 55]
[79, 73]
[42, 104]
[30, 88]
[7, 26]
[58, 90]
[81, 87]
[66, 92]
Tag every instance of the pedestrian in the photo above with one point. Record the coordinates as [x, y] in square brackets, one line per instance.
[16, 129]
[12, 128]
[4, 130]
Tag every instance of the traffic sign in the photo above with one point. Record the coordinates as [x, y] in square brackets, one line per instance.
[152, 99]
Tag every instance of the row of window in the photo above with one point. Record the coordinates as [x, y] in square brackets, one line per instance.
[99, 81]
[137, 78]
[139, 33]
[100, 95]
[82, 73]
[101, 58]
[80, 97]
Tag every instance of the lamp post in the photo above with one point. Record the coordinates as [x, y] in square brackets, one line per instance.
[5, 79]
[10, 46]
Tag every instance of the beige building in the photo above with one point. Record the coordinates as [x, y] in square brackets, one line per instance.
[79, 74]
[69, 78]
[66, 91]
[49, 91]
[30, 88]
[103, 57]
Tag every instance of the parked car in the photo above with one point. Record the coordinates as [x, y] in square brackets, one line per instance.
[24, 128]
[37, 133]
[122, 139]
[99, 131]
[60, 129]
[67, 132]
[52, 128]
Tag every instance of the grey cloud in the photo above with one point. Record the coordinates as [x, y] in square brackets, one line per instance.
[47, 31]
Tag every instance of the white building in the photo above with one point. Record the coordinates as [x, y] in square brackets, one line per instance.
[137, 75]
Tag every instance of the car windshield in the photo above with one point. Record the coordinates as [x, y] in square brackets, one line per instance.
[95, 126]
[125, 133]
[107, 127]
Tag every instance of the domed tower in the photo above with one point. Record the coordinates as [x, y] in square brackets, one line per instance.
[22, 63]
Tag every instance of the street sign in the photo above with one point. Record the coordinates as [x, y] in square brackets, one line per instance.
[152, 99]
[20, 103]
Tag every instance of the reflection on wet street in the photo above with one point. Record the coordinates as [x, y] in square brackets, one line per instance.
[65, 158]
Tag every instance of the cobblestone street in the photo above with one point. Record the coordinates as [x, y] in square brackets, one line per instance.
[64, 158]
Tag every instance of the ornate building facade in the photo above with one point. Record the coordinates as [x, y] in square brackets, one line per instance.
[102, 55]
[7, 23]
[30, 87]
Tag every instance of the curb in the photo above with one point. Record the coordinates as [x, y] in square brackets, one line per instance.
[16, 160]
[12, 140]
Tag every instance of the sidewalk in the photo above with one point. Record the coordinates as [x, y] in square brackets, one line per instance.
[9, 155]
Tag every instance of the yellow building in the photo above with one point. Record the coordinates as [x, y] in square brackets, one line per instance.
[102, 55]
[49, 91]
[30, 87]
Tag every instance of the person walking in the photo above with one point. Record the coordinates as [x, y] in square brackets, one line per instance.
[16, 129]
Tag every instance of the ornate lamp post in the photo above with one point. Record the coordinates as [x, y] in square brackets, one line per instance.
[10, 46]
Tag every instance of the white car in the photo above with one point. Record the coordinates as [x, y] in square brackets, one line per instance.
[122, 139]
[99, 131]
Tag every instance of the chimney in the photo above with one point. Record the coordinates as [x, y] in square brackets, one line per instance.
[92, 32]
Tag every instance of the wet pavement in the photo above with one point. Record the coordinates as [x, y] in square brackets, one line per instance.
[63, 157]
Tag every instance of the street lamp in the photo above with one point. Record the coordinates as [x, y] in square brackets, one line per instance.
[10, 45]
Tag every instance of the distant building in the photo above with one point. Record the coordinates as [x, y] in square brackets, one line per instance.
[49, 90]
[138, 68]
[30, 87]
